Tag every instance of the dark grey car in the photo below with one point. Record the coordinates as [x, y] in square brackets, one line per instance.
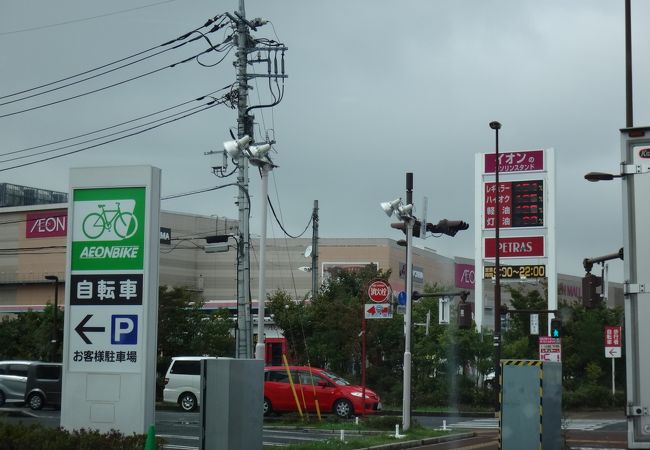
[43, 385]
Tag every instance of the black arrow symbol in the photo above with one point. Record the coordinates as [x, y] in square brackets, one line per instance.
[81, 329]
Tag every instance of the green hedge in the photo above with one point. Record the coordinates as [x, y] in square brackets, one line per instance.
[37, 437]
[591, 396]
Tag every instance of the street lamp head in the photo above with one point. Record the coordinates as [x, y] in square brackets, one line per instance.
[599, 176]
[495, 125]
[259, 155]
[236, 147]
[390, 207]
[405, 210]
[259, 151]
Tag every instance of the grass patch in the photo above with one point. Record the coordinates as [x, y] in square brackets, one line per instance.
[370, 423]
[356, 442]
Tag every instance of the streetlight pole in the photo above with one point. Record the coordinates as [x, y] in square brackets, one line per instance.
[496, 126]
[410, 222]
[260, 348]
[54, 340]
[406, 392]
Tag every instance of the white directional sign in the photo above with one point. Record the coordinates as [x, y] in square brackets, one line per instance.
[106, 339]
[613, 339]
[378, 311]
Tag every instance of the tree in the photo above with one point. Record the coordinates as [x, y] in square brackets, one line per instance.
[185, 329]
[28, 335]
[582, 343]
[325, 332]
[518, 343]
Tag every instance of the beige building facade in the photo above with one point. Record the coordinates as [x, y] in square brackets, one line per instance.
[33, 246]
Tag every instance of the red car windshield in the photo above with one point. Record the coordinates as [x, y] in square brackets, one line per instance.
[335, 378]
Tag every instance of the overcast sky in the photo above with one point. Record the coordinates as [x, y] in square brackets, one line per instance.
[376, 89]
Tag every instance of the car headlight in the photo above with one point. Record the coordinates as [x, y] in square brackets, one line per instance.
[357, 394]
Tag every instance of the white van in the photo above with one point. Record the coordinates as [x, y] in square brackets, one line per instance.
[182, 381]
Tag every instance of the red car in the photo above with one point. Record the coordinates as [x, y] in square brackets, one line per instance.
[334, 394]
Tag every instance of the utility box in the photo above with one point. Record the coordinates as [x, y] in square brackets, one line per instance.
[232, 398]
[531, 405]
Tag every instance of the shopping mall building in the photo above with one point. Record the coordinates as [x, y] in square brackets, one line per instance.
[33, 233]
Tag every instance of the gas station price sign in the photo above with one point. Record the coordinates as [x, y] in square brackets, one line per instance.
[521, 204]
[521, 271]
[528, 203]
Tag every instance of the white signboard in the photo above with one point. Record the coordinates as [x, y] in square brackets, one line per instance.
[443, 310]
[534, 324]
[378, 311]
[612, 352]
[111, 304]
[550, 349]
[526, 199]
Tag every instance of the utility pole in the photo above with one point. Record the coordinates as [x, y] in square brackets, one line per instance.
[244, 336]
[314, 251]
[245, 121]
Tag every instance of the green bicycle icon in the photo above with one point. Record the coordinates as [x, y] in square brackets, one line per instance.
[123, 223]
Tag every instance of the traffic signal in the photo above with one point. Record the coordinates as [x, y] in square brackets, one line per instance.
[417, 227]
[590, 296]
[556, 328]
[448, 227]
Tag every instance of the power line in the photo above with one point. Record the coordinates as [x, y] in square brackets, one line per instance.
[116, 125]
[72, 83]
[198, 191]
[15, 158]
[214, 103]
[93, 91]
[84, 19]
[282, 227]
[179, 38]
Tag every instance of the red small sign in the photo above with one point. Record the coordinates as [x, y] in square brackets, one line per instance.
[521, 161]
[612, 336]
[379, 291]
[515, 247]
[550, 349]
[46, 224]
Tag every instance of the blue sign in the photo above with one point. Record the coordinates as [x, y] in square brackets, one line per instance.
[124, 329]
[401, 298]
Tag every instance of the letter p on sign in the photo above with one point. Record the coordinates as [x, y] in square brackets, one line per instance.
[124, 329]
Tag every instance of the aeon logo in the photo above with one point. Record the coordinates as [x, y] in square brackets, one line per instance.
[46, 224]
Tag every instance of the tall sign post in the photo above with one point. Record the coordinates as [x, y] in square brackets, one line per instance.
[525, 195]
[635, 170]
[612, 340]
[380, 292]
[111, 301]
